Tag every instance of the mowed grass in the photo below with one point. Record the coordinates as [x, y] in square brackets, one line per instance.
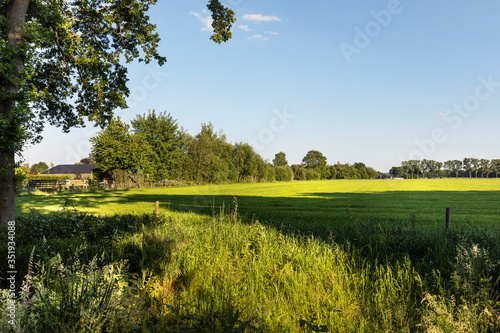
[303, 203]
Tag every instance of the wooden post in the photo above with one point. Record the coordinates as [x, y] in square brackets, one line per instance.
[157, 209]
[447, 222]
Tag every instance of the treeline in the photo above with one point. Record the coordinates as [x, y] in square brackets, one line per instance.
[468, 167]
[156, 146]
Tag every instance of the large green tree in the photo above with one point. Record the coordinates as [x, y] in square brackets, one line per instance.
[62, 64]
[209, 156]
[245, 161]
[280, 159]
[162, 133]
[115, 148]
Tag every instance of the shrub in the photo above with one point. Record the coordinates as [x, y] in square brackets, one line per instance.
[283, 173]
[312, 174]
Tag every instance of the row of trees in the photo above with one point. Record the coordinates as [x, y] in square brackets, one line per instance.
[434, 169]
[154, 144]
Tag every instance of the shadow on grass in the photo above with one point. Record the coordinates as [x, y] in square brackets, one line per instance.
[390, 224]
[425, 208]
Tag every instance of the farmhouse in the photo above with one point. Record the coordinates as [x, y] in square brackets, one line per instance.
[78, 171]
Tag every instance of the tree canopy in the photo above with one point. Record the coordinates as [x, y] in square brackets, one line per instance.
[62, 64]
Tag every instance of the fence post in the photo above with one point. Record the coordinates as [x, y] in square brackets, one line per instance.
[447, 222]
[157, 209]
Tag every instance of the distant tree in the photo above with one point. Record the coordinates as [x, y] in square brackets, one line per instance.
[284, 173]
[405, 165]
[280, 159]
[210, 156]
[457, 166]
[85, 160]
[448, 167]
[397, 172]
[332, 172]
[414, 167]
[312, 174]
[495, 167]
[439, 166]
[484, 167]
[468, 165]
[299, 172]
[315, 160]
[265, 171]
[245, 161]
[51, 165]
[475, 165]
[41, 166]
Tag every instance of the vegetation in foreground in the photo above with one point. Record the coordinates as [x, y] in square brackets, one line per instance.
[185, 272]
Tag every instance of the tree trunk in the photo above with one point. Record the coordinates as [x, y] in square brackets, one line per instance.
[7, 188]
[16, 15]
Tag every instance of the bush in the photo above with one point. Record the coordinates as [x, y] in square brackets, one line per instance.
[312, 174]
[299, 172]
[284, 173]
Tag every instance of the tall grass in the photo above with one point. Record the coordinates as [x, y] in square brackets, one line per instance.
[189, 272]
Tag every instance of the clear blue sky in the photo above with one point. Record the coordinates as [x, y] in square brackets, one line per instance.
[361, 81]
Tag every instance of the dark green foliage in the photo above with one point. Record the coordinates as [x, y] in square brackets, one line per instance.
[299, 172]
[166, 142]
[245, 161]
[280, 159]
[223, 19]
[314, 159]
[115, 148]
[209, 155]
[283, 173]
[40, 166]
[62, 63]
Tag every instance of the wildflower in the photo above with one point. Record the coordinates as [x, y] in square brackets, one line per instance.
[30, 271]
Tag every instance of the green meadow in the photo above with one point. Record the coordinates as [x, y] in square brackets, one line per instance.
[302, 203]
[305, 256]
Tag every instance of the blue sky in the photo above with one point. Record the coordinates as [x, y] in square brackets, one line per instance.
[361, 81]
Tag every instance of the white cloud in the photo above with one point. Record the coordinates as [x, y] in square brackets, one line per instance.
[260, 18]
[258, 37]
[206, 20]
[270, 33]
[439, 114]
[244, 27]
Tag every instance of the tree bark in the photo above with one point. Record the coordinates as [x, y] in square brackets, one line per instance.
[16, 15]
[7, 188]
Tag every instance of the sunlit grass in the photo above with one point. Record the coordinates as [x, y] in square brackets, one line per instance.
[472, 201]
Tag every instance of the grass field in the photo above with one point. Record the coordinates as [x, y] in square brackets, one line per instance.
[472, 201]
[326, 256]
